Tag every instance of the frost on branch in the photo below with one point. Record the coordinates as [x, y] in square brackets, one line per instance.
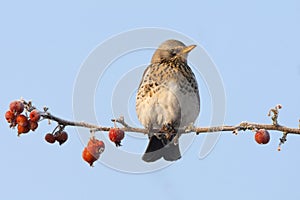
[24, 117]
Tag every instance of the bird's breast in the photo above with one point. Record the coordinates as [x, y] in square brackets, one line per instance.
[168, 102]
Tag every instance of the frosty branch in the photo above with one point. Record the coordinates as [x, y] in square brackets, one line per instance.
[243, 126]
[15, 120]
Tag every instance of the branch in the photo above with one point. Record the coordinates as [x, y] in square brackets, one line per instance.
[93, 127]
[25, 124]
[243, 126]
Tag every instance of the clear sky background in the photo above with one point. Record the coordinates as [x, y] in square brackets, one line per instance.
[255, 46]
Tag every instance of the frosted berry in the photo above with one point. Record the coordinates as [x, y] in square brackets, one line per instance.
[22, 120]
[49, 137]
[33, 125]
[9, 116]
[93, 150]
[116, 135]
[23, 129]
[61, 137]
[262, 136]
[16, 106]
[89, 155]
[34, 116]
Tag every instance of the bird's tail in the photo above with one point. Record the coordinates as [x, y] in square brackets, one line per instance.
[158, 148]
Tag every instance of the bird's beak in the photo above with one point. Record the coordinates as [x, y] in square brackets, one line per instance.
[187, 49]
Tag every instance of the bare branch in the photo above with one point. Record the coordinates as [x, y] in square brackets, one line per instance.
[243, 126]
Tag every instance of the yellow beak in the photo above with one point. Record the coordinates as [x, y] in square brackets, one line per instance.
[187, 49]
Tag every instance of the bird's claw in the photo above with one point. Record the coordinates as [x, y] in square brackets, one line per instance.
[168, 128]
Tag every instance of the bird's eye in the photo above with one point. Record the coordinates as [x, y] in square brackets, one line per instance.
[173, 53]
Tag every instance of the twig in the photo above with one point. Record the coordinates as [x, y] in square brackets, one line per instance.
[282, 140]
[274, 112]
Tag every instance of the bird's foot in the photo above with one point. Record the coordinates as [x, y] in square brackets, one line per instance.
[168, 128]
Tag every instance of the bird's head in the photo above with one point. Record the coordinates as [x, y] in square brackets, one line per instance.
[171, 49]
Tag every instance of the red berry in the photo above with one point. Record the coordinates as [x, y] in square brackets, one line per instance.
[33, 125]
[9, 116]
[34, 116]
[16, 106]
[116, 135]
[22, 120]
[50, 138]
[23, 129]
[92, 152]
[88, 156]
[262, 136]
[61, 137]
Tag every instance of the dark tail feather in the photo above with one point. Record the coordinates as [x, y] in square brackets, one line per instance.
[171, 152]
[157, 149]
[154, 150]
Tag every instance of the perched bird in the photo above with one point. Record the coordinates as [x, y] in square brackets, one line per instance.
[167, 99]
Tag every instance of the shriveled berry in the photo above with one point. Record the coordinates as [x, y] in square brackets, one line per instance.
[98, 144]
[116, 135]
[16, 106]
[262, 136]
[9, 116]
[93, 150]
[22, 120]
[33, 125]
[61, 137]
[50, 138]
[101, 146]
[35, 115]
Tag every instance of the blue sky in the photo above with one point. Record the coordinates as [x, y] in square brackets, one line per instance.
[255, 46]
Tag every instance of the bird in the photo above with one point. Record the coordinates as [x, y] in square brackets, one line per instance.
[167, 99]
